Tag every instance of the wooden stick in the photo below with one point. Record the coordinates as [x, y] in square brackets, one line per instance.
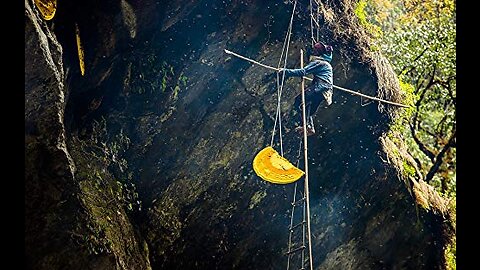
[305, 155]
[310, 79]
[250, 60]
[370, 97]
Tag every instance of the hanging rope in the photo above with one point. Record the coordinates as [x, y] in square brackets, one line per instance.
[319, 3]
[280, 83]
[311, 24]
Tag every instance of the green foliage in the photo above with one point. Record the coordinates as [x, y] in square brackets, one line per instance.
[419, 38]
[155, 76]
[361, 11]
[128, 196]
[111, 149]
[149, 75]
[408, 89]
[420, 41]
[96, 240]
[400, 125]
[408, 169]
[450, 256]
[183, 80]
[107, 190]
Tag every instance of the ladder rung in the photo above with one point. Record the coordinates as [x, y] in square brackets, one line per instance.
[295, 250]
[298, 202]
[297, 225]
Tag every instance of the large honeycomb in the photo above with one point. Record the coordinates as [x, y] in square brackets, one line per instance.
[47, 8]
[272, 167]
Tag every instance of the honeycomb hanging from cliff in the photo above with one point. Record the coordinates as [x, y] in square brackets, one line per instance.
[81, 54]
[47, 8]
[272, 167]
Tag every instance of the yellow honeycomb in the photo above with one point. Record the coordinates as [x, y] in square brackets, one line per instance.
[80, 51]
[47, 8]
[272, 167]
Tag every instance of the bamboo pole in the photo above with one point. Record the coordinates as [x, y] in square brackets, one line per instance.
[310, 79]
[305, 154]
[250, 60]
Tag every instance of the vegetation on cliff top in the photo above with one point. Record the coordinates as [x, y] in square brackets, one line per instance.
[419, 38]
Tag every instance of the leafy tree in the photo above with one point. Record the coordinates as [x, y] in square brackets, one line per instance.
[419, 38]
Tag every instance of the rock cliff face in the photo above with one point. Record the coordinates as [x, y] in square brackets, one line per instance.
[145, 162]
[72, 217]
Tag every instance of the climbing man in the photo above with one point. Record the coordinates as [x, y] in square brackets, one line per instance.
[321, 88]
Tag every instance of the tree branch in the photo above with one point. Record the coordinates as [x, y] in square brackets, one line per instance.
[441, 126]
[430, 83]
[419, 81]
[439, 158]
[412, 67]
[416, 123]
[450, 90]
[421, 146]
